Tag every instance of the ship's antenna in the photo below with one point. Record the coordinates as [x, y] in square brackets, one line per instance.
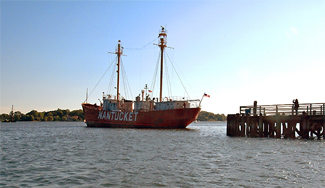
[146, 89]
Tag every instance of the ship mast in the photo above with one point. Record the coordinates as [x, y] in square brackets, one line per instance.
[163, 41]
[118, 52]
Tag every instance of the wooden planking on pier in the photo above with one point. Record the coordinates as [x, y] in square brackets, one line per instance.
[277, 121]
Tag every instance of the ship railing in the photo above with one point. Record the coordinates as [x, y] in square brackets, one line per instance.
[284, 109]
[178, 98]
[194, 103]
[109, 97]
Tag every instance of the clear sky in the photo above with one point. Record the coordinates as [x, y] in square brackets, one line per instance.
[237, 51]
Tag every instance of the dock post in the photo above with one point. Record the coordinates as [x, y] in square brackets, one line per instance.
[266, 132]
[311, 110]
[248, 125]
[285, 128]
[324, 127]
[260, 125]
[255, 108]
[242, 126]
[230, 125]
[253, 126]
[278, 124]
[303, 126]
[271, 129]
[323, 121]
[237, 124]
[291, 130]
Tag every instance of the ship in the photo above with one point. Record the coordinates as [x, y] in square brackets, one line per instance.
[145, 112]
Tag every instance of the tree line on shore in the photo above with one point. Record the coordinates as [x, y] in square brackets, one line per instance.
[34, 115]
[77, 115]
[208, 116]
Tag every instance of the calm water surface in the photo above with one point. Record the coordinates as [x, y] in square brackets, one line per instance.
[49, 154]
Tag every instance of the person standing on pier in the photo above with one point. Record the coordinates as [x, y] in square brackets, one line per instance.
[295, 105]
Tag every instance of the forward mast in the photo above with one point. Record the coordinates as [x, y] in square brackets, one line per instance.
[163, 41]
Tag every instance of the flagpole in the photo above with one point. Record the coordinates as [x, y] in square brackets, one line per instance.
[201, 100]
[87, 95]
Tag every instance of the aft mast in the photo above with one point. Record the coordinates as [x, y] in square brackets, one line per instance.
[118, 52]
[163, 41]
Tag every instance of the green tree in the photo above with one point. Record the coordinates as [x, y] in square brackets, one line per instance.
[59, 112]
[48, 118]
[33, 113]
[66, 112]
[29, 118]
[208, 116]
[78, 113]
[57, 118]
[41, 116]
[5, 117]
[64, 118]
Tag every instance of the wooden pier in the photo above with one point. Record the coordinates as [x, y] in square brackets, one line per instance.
[279, 121]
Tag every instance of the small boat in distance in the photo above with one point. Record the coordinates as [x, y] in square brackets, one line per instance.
[117, 112]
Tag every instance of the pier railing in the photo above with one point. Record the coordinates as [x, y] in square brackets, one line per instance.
[284, 109]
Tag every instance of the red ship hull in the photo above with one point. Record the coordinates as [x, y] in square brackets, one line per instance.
[162, 119]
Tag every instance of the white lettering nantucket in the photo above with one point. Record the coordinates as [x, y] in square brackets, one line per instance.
[118, 116]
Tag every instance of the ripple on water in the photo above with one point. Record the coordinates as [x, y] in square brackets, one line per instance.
[70, 155]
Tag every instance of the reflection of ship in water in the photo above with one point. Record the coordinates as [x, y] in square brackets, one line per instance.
[11, 119]
[144, 112]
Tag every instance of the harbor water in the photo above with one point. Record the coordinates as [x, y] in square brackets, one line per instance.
[68, 154]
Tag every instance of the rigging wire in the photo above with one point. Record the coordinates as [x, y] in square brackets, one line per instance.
[169, 91]
[178, 76]
[184, 78]
[100, 79]
[153, 83]
[123, 79]
[143, 46]
[126, 84]
[110, 85]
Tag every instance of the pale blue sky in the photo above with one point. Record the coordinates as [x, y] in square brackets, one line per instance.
[236, 51]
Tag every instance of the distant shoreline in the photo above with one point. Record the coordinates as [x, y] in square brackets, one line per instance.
[54, 115]
[77, 115]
